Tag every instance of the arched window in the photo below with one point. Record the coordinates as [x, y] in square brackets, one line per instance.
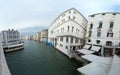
[98, 34]
[68, 28]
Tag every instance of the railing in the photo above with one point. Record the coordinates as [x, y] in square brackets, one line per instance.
[4, 70]
[69, 34]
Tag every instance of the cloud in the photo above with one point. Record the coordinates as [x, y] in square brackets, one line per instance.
[96, 6]
[27, 13]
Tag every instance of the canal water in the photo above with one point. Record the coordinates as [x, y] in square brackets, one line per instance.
[38, 59]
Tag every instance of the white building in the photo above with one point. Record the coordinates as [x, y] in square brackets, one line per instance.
[103, 30]
[11, 40]
[35, 37]
[10, 37]
[38, 36]
[68, 31]
[44, 35]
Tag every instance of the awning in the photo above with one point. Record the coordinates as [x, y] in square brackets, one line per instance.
[92, 50]
[94, 69]
[95, 48]
[98, 59]
[86, 46]
[84, 51]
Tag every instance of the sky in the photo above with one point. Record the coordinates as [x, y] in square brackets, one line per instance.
[18, 14]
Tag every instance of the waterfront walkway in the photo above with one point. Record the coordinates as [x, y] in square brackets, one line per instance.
[4, 70]
[101, 65]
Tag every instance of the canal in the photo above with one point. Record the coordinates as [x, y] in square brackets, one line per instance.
[38, 59]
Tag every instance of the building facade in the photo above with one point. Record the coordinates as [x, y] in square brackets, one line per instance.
[44, 35]
[38, 36]
[68, 31]
[35, 37]
[10, 37]
[103, 30]
[11, 40]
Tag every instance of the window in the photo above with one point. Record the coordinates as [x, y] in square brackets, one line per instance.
[63, 29]
[119, 43]
[103, 13]
[72, 29]
[61, 38]
[69, 11]
[90, 32]
[98, 41]
[69, 17]
[91, 26]
[89, 40]
[98, 34]
[66, 39]
[66, 47]
[76, 40]
[74, 12]
[92, 15]
[61, 45]
[100, 25]
[68, 28]
[71, 40]
[109, 34]
[76, 31]
[74, 18]
[109, 43]
[114, 13]
[111, 24]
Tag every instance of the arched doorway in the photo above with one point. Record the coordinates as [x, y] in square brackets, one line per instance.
[108, 49]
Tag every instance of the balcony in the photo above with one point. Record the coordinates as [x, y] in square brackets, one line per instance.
[69, 34]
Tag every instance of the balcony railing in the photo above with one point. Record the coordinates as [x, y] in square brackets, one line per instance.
[69, 34]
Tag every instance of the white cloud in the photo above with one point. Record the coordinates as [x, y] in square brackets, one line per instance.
[25, 13]
[95, 6]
